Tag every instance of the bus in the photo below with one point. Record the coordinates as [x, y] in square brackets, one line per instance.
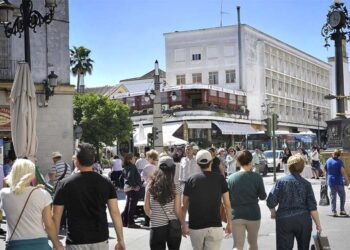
[283, 139]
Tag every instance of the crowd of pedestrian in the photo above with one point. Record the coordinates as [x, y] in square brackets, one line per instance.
[173, 184]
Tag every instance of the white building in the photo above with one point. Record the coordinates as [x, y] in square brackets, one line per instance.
[272, 70]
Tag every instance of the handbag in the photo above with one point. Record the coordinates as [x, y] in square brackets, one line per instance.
[321, 242]
[20, 215]
[174, 226]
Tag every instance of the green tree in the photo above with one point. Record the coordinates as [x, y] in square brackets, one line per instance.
[103, 120]
[80, 62]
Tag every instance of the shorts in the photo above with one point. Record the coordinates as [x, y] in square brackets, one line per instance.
[315, 165]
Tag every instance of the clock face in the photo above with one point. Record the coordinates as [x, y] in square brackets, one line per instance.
[334, 19]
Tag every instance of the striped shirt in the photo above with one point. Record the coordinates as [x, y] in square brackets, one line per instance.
[158, 217]
[58, 170]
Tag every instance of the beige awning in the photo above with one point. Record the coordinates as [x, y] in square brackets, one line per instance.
[198, 124]
[232, 128]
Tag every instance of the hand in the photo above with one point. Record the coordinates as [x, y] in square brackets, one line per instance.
[40, 186]
[185, 230]
[136, 188]
[318, 229]
[273, 214]
[120, 245]
[228, 229]
[58, 246]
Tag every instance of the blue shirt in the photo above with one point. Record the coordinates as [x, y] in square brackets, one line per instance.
[293, 195]
[333, 168]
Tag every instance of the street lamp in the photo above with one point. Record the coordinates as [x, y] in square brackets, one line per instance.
[337, 28]
[157, 111]
[49, 85]
[28, 18]
[173, 96]
[317, 117]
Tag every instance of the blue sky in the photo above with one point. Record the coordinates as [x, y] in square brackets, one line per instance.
[126, 36]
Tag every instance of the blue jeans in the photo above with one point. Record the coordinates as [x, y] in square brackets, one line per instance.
[341, 192]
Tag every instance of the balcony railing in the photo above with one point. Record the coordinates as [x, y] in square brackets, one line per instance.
[7, 69]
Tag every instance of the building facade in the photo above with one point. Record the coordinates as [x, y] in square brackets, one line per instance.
[49, 52]
[272, 71]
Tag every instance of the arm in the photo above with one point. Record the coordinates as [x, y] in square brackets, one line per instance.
[57, 215]
[50, 227]
[316, 219]
[222, 168]
[117, 222]
[345, 176]
[180, 215]
[227, 205]
[147, 206]
[185, 204]
[262, 192]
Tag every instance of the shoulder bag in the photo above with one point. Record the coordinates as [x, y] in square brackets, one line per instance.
[20, 215]
[173, 225]
[62, 176]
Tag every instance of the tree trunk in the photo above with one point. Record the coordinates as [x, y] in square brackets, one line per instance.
[78, 83]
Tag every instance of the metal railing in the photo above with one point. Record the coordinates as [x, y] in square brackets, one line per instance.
[7, 69]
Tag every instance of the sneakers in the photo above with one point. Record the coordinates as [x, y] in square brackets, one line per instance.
[335, 214]
[343, 213]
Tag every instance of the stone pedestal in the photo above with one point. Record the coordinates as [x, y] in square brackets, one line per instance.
[345, 157]
[338, 131]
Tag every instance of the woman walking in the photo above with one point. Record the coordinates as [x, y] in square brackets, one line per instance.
[335, 174]
[231, 159]
[246, 188]
[296, 206]
[28, 211]
[116, 171]
[132, 185]
[163, 206]
[285, 157]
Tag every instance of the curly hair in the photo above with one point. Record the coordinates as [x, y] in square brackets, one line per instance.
[22, 173]
[162, 186]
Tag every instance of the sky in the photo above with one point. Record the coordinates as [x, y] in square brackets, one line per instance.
[126, 36]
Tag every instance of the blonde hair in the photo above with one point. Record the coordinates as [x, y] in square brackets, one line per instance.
[296, 163]
[22, 173]
[336, 153]
[153, 154]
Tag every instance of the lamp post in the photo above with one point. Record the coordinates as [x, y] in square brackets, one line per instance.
[28, 19]
[317, 117]
[337, 29]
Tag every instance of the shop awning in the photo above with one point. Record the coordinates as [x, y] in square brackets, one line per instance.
[231, 128]
[140, 135]
[198, 124]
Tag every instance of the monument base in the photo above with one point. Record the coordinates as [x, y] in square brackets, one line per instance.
[338, 132]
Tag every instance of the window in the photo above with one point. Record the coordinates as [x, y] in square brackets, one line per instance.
[196, 57]
[180, 79]
[130, 101]
[230, 76]
[232, 99]
[197, 78]
[241, 100]
[213, 93]
[213, 78]
[180, 55]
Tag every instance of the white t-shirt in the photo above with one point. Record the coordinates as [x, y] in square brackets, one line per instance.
[315, 156]
[147, 172]
[141, 163]
[117, 165]
[31, 224]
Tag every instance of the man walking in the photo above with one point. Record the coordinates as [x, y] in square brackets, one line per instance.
[59, 170]
[85, 195]
[202, 197]
[188, 167]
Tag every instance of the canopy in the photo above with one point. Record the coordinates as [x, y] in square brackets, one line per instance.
[199, 124]
[168, 138]
[23, 113]
[231, 128]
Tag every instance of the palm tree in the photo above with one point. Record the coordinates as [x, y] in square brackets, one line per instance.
[80, 63]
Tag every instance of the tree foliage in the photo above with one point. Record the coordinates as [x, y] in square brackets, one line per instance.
[103, 120]
[80, 62]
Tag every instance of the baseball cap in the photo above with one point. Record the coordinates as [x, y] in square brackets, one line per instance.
[166, 163]
[203, 157]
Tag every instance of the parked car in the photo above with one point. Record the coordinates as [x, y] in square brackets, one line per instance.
[269, 156]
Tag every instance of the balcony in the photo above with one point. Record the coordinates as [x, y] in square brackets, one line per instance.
[7, 69]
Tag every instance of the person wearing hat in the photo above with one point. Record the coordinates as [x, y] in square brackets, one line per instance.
[202, 198]
[59, 169]
[162, 205]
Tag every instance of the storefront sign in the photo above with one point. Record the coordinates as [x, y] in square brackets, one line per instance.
[5, 118]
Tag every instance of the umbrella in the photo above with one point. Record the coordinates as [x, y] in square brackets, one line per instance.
[23, 113]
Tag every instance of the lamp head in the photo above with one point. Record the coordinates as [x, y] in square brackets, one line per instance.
[52, 79]
[156, 68]
[6, 11]
[173, 96]
[152, 94]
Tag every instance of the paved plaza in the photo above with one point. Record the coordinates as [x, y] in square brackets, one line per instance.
[337, 229]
